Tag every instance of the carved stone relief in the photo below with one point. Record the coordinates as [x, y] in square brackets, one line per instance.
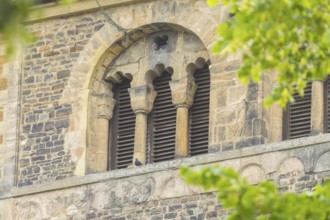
[323, 162]
[29, 210]
[72, 205]
[253, 173]
[126, 192]
[289, 165]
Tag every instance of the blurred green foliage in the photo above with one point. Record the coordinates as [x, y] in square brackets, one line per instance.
[291, 37]
[262, 201]
[12, 30]
[13, 15]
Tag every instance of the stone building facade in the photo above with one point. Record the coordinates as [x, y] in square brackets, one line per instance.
[57, 107]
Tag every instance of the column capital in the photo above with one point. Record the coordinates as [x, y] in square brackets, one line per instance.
[183, 91]
[142, 98]
[105, 103]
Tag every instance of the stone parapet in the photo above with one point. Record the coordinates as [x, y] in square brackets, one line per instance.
[295, 165]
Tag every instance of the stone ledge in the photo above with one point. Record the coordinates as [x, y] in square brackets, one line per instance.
[210, 158]
[54, 10]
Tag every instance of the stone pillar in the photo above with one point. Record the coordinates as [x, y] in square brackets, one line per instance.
[140, 137]
[183, 91]
[105, 104]
[317, 114]
[142, 101]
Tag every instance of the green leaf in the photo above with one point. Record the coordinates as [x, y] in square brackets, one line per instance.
[212, 3]
[260, 201]
[326, 36]
[290, 37]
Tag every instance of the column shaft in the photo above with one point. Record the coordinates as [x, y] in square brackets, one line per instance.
[182, 138]
[101, 151]
[317, 114]
[140, 144]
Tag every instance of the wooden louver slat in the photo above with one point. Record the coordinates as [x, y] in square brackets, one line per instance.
[122, 129]
[161, 123]
[199, 114]
[327, 105]
[297, 117]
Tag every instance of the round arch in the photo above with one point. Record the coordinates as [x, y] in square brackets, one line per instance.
[103, 48]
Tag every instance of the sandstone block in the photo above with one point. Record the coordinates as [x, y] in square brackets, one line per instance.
[3, 83]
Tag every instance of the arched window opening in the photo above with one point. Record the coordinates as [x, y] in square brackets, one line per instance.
[297, 116]
[161, 123]
[199, 114]
[122, 127]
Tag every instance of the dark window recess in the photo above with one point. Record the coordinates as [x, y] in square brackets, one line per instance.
[297, 116]
[327, 105]
[199, 114]
[161, 123]
[41, 2]
[122, 129]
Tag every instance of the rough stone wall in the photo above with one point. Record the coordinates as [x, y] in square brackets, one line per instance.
[46, 102]
[53, 86]
[58, 69]
[46, 69]
[9, 114]
[237, 117]
[3, 88]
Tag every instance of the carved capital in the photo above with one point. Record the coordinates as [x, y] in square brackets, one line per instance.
[183, 91]
[105, 103]
[142, 98]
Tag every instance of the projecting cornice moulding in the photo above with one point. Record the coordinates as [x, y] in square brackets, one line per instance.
[54, 10]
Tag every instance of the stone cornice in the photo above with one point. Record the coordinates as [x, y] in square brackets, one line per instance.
[50, 11]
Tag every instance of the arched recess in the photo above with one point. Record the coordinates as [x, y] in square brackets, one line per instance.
[322, 163]
[290, 165]
[103, 47]
[140, 58]
[254, 173]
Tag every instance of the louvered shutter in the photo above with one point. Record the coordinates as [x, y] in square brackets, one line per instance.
[199, 114]
[40, 2]
[297, 117]
[327, 105]
[161, 123]
[122, 129]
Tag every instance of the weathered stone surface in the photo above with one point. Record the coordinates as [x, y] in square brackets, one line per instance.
[2, 59]
[3, 83]
[49, 92]
[1, 114]
[62, 123]
[323, 162]
[155, 191]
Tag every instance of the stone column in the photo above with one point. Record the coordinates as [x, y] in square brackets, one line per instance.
[105, 104]
[183, 91]
[142, 101]
[317, 114]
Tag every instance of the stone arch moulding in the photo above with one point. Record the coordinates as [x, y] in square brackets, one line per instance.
[322, 163]
[253, 172]
[289, 165]
[102, 49]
